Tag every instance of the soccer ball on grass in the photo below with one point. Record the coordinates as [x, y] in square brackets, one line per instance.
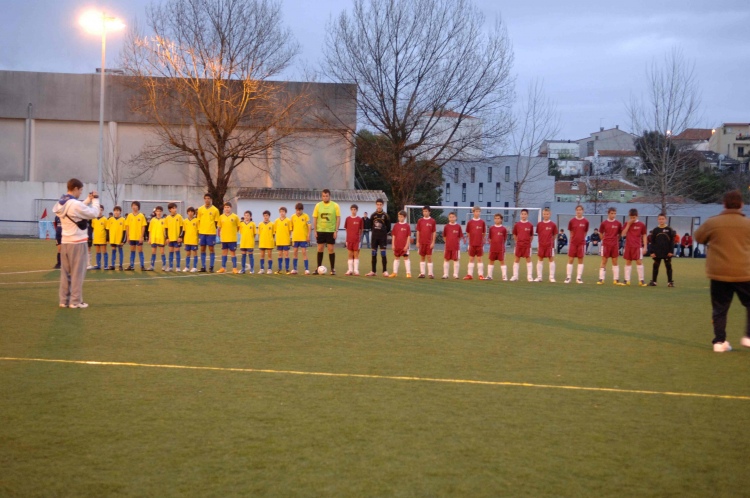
[322, 270]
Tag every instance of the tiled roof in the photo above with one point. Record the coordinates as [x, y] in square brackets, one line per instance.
[565, 188]
[736, 124]
[614, 185]
[694, 134]
[617, 153]
[657, 200]
[304, 194]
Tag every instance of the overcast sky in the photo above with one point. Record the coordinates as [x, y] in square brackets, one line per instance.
[592, 55]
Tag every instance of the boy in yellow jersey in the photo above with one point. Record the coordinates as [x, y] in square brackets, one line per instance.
[208, 218]
[247, 242]
[283, 229]
[229, 225]
[300, 236]
[190, 237]
[135, 225]
[116, 228]
[156, 238]
[265, 242]
[173, 235]
[99, 226]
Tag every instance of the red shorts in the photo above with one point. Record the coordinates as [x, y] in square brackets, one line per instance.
[632, 253]
[450, 255]
[497, 256]
[611, 251]
[576, 251]
[476, 251]
[352, 246]
[425, 250]
[545, 252]
[400, 252]
[523, 250]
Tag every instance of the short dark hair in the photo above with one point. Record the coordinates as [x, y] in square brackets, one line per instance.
[206, 195]
[524, 210]
[633, 212]
[402, 213]
[379, 201]
[453, 213]
[426, 207]
[118, 208]
[326, 191]
[498, 214]
[227, 204]
[267, 212]
[248, 212]
[733, 200]
[299, 205]
[135, 203]
[354, 206]
[663, 214]
[159, 208]
[74, 183]
[612, 209]
[191, 209]
[282, 208]
[171, 205]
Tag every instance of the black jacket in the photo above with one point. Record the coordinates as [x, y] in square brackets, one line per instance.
[662, 241]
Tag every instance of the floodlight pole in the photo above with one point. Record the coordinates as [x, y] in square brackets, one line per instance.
[101, 104]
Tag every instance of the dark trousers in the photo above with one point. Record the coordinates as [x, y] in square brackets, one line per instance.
[721, 298]
[560, 247]
[667, 264]
[688, 250]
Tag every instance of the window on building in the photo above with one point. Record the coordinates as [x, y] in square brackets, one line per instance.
[622, 194]
[463, 192]
[507, 173]
[489, 204]
[471, 204]
[455, 175]
[497, 192]
[740, 151]
[481, 192]
[473, 174]
[634, 194]
[489, 174]
[455, 204]
[559, 199]
[447, 192]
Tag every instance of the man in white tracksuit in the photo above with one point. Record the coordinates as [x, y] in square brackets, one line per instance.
[74, 256]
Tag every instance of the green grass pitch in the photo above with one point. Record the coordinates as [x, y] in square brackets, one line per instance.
[76, 429]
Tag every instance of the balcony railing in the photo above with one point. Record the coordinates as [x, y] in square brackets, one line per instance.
[742, 136]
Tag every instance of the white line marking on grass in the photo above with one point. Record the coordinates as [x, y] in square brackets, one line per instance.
[57, 282]
[385, 377]
[30, 271]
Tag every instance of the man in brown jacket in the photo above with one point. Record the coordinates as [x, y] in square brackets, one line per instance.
[727, 265]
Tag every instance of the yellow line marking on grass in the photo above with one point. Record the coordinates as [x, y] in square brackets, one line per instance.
[385, 377]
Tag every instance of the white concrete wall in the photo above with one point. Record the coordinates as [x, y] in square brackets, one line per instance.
[12, 140]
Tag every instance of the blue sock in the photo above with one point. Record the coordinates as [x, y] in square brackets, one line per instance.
[244, 261]
[252, 262]
[142, 258]
[119, 249]
[114, 253]
[294, 264]
[279, 264]
[270, 264]
[98, 259]
[132, 258]
[223, 261]
[286, 263]
[106, 260]
[307, 265]
[171, 259]
[195, 260]
[178, 260]
[187, 261]
[262, 264]
[164, 260]
[153, 260]
[203, 259]
[213, 259]
[234, 261]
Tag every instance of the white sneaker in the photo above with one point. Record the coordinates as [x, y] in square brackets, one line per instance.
[63, 305]
[194, 270]
[532, 280]
[552, 280]
[745, 342]
[85, 305]
[538, 279]
[168, 268]
[567, 280]
[348, 273]
[269, 272]
[444, 277]
[505, 279]
[307, 272]
[90, 267]
[719, 347]
[251, 272]
[514, 279]
[186, 269]
[579, 281]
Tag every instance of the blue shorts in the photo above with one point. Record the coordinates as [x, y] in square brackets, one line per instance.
[300, 244]
[157, 245]
[207, 240]
[174, 244]
[134, 243]
[191, 248]
[282, 248]
[247, 249]
[232, 246]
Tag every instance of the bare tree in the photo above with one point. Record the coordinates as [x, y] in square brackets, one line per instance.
[428, 78]
[536, 120]
[113, 168]
[671, 105]
[202, 75]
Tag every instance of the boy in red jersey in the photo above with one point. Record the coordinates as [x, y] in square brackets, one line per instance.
[610, 230]
[426, 234]
[636, 241]
[476, 229]
[452, 234]
[578, 228]
[498, 235]
[523, 232]
[354, 226]
[401, 233]
[546, 231]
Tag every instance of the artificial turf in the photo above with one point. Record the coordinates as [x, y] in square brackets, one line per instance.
[74, 429]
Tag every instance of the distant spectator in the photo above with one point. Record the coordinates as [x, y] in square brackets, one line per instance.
[677, 253]
[727, 265]
[596, 241]
[367, 226]
[562, 240]
[686, 244]
[58, 239]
